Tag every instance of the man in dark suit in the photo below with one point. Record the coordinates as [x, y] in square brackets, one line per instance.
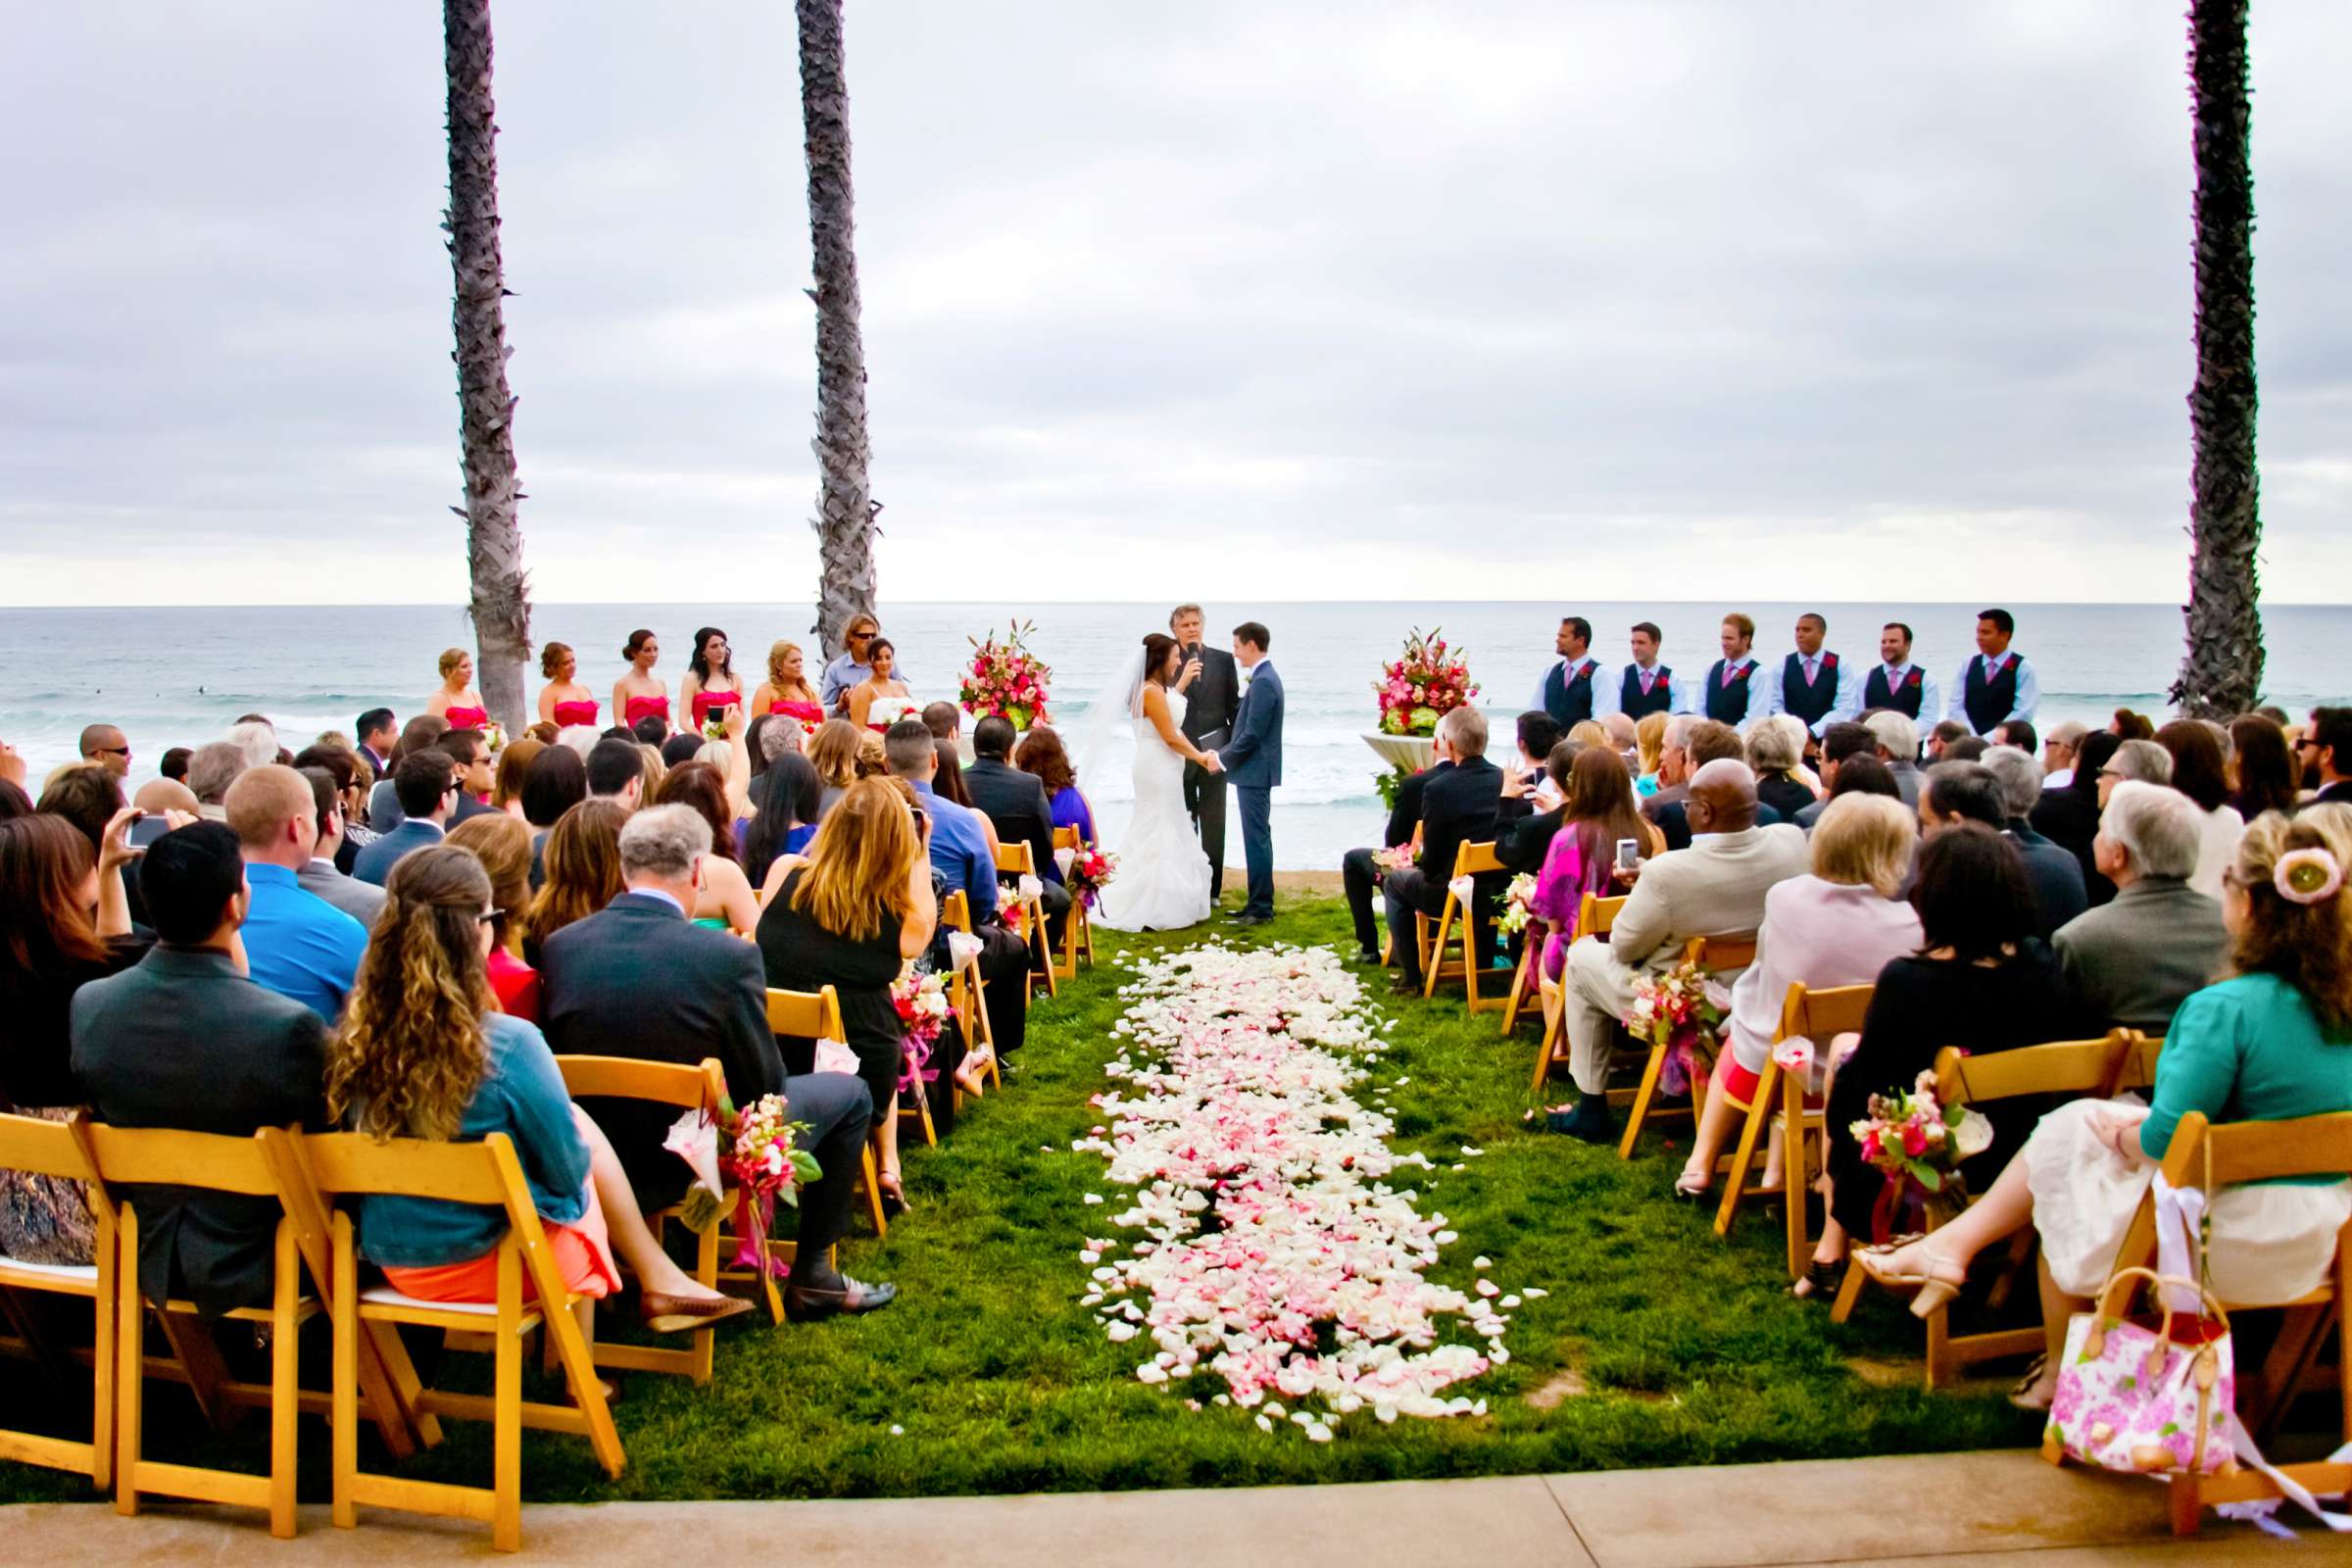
[1252, 761]
[425, 783]
[469, 752]
[1212, 692]
[1709, 742]
[1015, 802]
[1457, 808]
[636, 979]
[1953, 793]
[1356, 866]
[185, 1040]
[2325, 752]
[1522, 843]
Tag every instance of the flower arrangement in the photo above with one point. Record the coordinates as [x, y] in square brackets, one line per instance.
[1005, 679]
[767, 1165]
[1683, 1009]
[1518, 901]
[714, 724]
[1423, 685]
[921, 1000]
[1395, 858]
[1920, 1143]
[494, 735]
[1089, 872]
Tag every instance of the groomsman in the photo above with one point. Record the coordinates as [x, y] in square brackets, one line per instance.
[1814, 684]
[1996, 684]
[1566, 690]
[1643, 686]
[1736, 690]
[1895, 684]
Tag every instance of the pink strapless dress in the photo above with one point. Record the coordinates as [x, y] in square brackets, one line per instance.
[569, 714]
[705, 702]
[809, 714]
[647, 707]
[466, 717]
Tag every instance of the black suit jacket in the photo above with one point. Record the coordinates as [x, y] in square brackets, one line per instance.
[183, 1041]
[1211, 701]
[1404, 813]
[1015, 802]
[1457, 808]
[637, 980]
[1521, 844]
[2338, 793]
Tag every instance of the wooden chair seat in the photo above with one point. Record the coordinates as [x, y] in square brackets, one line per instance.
[1594, 917]
[817, 1015]
[50, 1148]
[1713, 954]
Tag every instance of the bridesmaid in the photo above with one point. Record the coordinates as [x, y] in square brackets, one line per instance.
[456, 700]
[563, 702]
[787, 690]
[881, 700]
[639, 694]
[710, 682]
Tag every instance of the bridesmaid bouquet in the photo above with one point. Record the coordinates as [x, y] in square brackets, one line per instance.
[1005, 679]
[1920, 1143]
[1423, 685]
[1682, 1010]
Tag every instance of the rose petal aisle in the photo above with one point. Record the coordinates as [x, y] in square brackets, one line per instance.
[1271, 1249]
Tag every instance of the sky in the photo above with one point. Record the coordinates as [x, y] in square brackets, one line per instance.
[1660, 298]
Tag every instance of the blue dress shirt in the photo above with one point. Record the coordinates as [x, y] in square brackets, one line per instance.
[959, 851]
[298, 945]
[2029, 692]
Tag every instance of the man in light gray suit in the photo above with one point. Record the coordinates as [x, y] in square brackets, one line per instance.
[2134, 960]
[362, 901]
[1714, 888]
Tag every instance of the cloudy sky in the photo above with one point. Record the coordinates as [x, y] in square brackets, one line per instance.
[1339, 300]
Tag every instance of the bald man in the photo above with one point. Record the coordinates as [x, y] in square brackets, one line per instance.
[105, 745]
[296, 943]
[1714, 888]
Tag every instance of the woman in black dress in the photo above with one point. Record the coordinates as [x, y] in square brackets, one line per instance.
[1982, 982]
[850, 919]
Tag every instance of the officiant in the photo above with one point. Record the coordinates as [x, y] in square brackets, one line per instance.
[1211, 685]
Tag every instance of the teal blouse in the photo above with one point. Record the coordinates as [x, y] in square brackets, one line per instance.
[2248, 1049]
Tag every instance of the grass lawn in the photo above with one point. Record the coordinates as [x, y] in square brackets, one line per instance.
[1686, 1350]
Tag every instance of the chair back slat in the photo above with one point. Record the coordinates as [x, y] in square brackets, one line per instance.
[1596, 916]
[957, 910]
[1475, 860]
[806, 1015]
[347, 1163]
[1015, 857]
[166, 1157]
[1821, 1015]
[43, 1147]
[664, 1083]
[2062, 1067]
[2258, 1151]
[1721, 953]
[1066, 838]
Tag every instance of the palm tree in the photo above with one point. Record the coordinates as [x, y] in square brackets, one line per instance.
[845, 506]
[2222, 672]
[500, 593]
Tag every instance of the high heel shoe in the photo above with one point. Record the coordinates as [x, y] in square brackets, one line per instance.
[894, 1196]
[1684, 1191]
[1820, 1283]
[1936, 1278]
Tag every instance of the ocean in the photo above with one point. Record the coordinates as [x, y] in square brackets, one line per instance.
[178, 676]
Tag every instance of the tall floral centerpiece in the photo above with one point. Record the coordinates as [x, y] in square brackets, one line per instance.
[1424, 683]
[1005, 679]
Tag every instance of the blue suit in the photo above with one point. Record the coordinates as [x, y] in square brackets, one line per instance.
[375, 861]
[1252, 762]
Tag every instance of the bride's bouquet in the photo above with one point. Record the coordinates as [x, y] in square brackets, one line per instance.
[1005, 679]
[1422, 686]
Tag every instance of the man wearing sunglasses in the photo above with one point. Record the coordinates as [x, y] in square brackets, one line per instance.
[2325, 752]
[849, 666]
[105, 745]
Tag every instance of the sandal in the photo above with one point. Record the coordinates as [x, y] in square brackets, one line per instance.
[1689, 1193]
[2022, 1396]
[893, 1195]
[1936, 1279]
[1820, 1283]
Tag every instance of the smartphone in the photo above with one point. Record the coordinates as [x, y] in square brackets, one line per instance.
[922, 823]
[1628, 855]
[146, 829]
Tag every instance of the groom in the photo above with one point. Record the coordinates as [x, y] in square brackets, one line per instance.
[1253, 760]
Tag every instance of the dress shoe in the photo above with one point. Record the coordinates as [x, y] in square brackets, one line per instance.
[806, 1304]
[1368, 957]
[1247, 918]
[680, 1314]
[1404, 987]
[1589, 1121]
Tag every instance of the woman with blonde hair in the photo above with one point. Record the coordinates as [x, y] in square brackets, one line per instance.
[455, 699]
[2271, 1043]
[503, 843]
[1837, 925]
[563, 702]
[580, 866]
[1775, 749]
[461, 1069]
[854, 919]
[1649, 743]
[1587, 732]
[787, 691]
[833, 751]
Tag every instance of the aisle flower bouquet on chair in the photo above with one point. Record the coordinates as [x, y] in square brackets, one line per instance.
[1919, 1142]
[1518, 902]
[767, 1165]
[921, 1000]
[1005, 679]
[1086, 872]
[1681, 1010]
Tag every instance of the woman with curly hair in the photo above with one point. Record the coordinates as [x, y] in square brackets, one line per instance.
[423, 1052]
[581, 870]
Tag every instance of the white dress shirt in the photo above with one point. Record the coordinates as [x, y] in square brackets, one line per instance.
[1845, 706]
[2029, 692]
[1608, 682]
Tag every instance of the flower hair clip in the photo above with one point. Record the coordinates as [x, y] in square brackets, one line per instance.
[2308, 876]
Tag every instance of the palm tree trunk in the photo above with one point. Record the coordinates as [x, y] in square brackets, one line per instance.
[500, 593]
[2221, 674]
[845, 506]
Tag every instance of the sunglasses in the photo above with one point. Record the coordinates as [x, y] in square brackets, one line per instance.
[124, 752]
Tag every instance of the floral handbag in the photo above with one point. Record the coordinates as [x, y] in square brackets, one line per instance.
[2145, 1399]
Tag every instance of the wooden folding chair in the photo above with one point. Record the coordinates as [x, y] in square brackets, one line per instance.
[1016, 860]
[1469, 859]
[967, 992]
[1714, 955]
[1077, 934]
[122, 1157]
[1594, 917]
[703, 1087]
[2122, 1058]
[2212, 1158]
[817, 1015]
[488, 1174]
[1525, 983]
[1778, 1103]
[49, 1148]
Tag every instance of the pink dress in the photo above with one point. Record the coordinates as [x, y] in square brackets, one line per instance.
[1568, 875]
[706, 701]
[466, 717]
[569, 714]
[646, 708]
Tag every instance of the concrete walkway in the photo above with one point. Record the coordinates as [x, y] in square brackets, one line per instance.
[1948, 1508]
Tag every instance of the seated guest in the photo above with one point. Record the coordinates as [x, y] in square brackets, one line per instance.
[1714, 888]
[1624, 736]
[1016, 803]
[833, 753]
[1596, 816]
[477, 776]
[319, 878]
[504, 846]
[426, 784]
[639, 980]
[351, 782]
[91, 798]
[103, 746]
[2015, 732]
[1898, 749]
[422, 733]
[2132, 959]
[2144, 761]
[1837, 925]
[2060, 746]
[1359, 868]
[1841, 741]
[2067, 815]
[852, 918]
[64, 922]
[1649, 750]
[1522, 843]
[957, 838]
[1673, 764]
[174, 763]
[210, 771]
[1982, 982]
[460, 1070]
[1457, 808]
[617, 771]
[2326, 755]
[296, 943]
[2273, 1043]
[514, 771]
[257, 738]
[1864, 774]
[949, 781]
[378, 737]
[2264, 768]
[945, 720]
[2128, 725]
[582, 861]
[1535, 735]
[183, 1040]
[1970, 792]
[1709, 742]
[1942, 738]
[1967, 749]
[726, 902]
[1775, 752]
[558, 782]
[785, 823]
[1044, 756]
[680, 749]
[2200, 773]
[651, 730]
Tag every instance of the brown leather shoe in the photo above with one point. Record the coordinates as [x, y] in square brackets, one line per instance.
[680, 1314]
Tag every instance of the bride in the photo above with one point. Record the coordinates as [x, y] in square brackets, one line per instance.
[1162, 880]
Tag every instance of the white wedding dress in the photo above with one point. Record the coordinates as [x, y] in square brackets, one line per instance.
[1161, 883]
